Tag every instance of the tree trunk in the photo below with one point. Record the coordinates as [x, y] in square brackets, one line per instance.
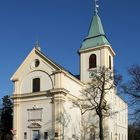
[101, 132]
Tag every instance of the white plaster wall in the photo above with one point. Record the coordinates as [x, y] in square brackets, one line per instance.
[89, 121]
[45, 82]
[72, 121]
[46, 122]
[84, 64]
[118, 124]
[27, 71]
[121, 108]
[73, 87]
[102, 57]
[105, 57]
[121, 133]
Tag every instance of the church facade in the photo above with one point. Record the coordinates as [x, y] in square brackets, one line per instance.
[44, 95]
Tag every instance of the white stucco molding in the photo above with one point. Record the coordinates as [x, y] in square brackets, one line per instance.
[59, 91]
[34, 125]
[69, 75]
[30, 95]
[47, 93]
[98, 48]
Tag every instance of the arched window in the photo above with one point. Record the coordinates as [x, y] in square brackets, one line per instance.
[110, 62]
[92, 61]
[36, 84]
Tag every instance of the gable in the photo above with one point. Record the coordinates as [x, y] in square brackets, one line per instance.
[38, 66]
[35, 57]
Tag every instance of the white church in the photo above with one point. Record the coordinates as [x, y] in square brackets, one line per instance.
[44, 93]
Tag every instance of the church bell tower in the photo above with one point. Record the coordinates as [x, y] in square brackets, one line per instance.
[96, 50]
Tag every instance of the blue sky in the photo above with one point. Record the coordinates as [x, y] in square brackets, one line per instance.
[60, 26]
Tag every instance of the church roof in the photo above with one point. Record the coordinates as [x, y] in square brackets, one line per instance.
[96, 27]
[96, 35]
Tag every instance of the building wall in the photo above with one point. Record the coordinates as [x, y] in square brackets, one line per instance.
[122, 119]
[50, 99]
[118, 123]
[57, 97]
[102, 56]
[84, 64]
[27, 72]
[72, 121]
[27, 82]
[45, 122]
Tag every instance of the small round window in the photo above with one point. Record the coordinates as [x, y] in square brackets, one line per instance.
[36, 63]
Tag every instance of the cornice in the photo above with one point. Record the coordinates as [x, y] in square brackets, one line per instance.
[48, 93]
[30, 95]
[98, 48]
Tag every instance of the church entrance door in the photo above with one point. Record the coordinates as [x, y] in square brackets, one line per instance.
[35, 135]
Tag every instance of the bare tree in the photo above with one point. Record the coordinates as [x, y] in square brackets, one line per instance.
[132, 88]
[94, 95]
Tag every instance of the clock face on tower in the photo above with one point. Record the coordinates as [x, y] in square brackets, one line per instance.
[92, 73]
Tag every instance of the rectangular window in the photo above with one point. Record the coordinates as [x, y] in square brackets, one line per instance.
[25, 135]
[56, 134]
[119, 136]
[35, 135]
[110, 62]
[36, 85]
[73, 136]
[45, 135]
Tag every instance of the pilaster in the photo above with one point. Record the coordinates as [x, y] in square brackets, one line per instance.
[59, 97]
